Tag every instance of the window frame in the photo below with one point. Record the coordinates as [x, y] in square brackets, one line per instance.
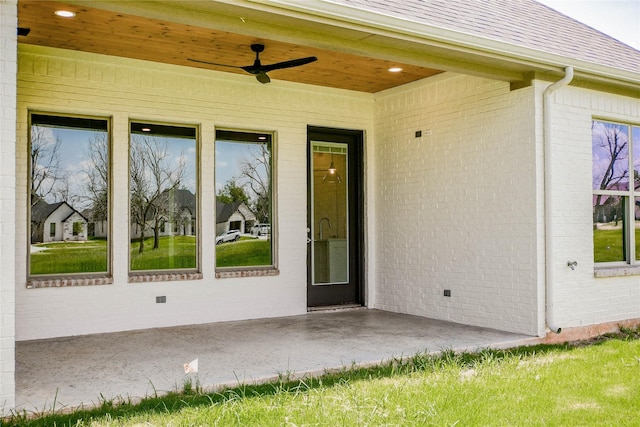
[71, 278]
[628, 201]
[176, 273]
[255, 270]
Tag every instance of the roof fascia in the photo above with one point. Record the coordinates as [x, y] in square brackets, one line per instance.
[377, 23]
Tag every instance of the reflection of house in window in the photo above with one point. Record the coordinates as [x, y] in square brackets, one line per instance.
[179, 207]
[97, 223]
[62, 220]
[233, 216]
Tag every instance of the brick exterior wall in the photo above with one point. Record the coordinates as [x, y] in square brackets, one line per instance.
[459, 208]
[456, 208]
[8, 40]
[53, 80]
[581, 298]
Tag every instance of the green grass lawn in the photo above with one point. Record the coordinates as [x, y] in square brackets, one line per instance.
[70, 257]
[243, 253]
[608, 245]
[560, 385]
[173, 253]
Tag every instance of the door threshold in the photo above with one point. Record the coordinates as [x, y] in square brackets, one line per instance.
[338, 307]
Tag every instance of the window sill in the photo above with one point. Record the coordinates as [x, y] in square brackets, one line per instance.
[617, 271]
[247, 272]
[163, 277]
[65, 282]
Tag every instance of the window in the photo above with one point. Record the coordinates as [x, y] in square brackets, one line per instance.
[244, 217]
[69, 182]
[163, 197]
[616, 192]
[77, 228]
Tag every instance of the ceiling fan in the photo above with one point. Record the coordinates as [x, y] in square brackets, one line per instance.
[259, 70]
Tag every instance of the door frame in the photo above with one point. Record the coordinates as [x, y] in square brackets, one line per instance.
[354, 139]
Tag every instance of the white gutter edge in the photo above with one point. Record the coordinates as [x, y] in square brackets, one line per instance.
[445, 37]
[548, 199]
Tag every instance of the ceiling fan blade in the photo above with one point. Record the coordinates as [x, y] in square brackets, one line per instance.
[259, 70]
[213, 63]
[288, 64]
[263, 78]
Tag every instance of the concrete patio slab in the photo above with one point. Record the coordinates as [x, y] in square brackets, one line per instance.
[74, 371]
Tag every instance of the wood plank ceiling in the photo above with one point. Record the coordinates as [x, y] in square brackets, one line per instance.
[111, 33]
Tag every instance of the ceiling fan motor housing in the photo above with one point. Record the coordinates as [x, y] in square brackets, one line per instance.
[259, 70]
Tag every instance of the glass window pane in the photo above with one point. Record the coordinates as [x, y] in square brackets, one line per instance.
[330, 213]
[636, 226]
[243, 199]
[69, 195]
[163, 198]
[610, 151]
[609, 228]
[635, 139]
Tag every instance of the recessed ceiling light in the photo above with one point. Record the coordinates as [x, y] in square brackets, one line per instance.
[65, 13]
[394, 69]
[146, 129]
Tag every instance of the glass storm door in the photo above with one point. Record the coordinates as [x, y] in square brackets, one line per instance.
[334, 259]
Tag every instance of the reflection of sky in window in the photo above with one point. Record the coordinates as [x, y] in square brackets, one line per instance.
[635, 135]
[73, 160]
[229, 156]
[183, 150]
[601, 156]
[179, 150]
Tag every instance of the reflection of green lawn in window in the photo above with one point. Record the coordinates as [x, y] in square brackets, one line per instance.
[174, 252]
[70, 257]
[245, 253]
[607, 243]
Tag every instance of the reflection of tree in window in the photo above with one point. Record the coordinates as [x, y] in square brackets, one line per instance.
[613, 157]
[611, 148]
[255, 173]
[153, 178]
[243, 198]
[69, 163]
[162, 182]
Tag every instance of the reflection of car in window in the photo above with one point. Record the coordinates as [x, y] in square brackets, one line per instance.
[229, 236]
[261, 229]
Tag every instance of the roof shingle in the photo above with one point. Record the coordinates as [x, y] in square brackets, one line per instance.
[524, 23]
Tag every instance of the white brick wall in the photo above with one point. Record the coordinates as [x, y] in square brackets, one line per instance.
[581, 299]
[8, 40]
[459, 209]
[78, 83]
[456, 209]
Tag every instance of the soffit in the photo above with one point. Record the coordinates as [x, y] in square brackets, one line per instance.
[137, 30]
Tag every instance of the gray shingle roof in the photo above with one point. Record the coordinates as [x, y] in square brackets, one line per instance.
[41, 210]
[524, 23]
[225, 210]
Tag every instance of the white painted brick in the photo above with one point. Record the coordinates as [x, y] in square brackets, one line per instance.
[81, 83]
[582, 299]
[459, 209]
[457, 204]
[8, 24]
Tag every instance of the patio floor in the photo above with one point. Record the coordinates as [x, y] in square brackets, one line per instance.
[74, 371]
